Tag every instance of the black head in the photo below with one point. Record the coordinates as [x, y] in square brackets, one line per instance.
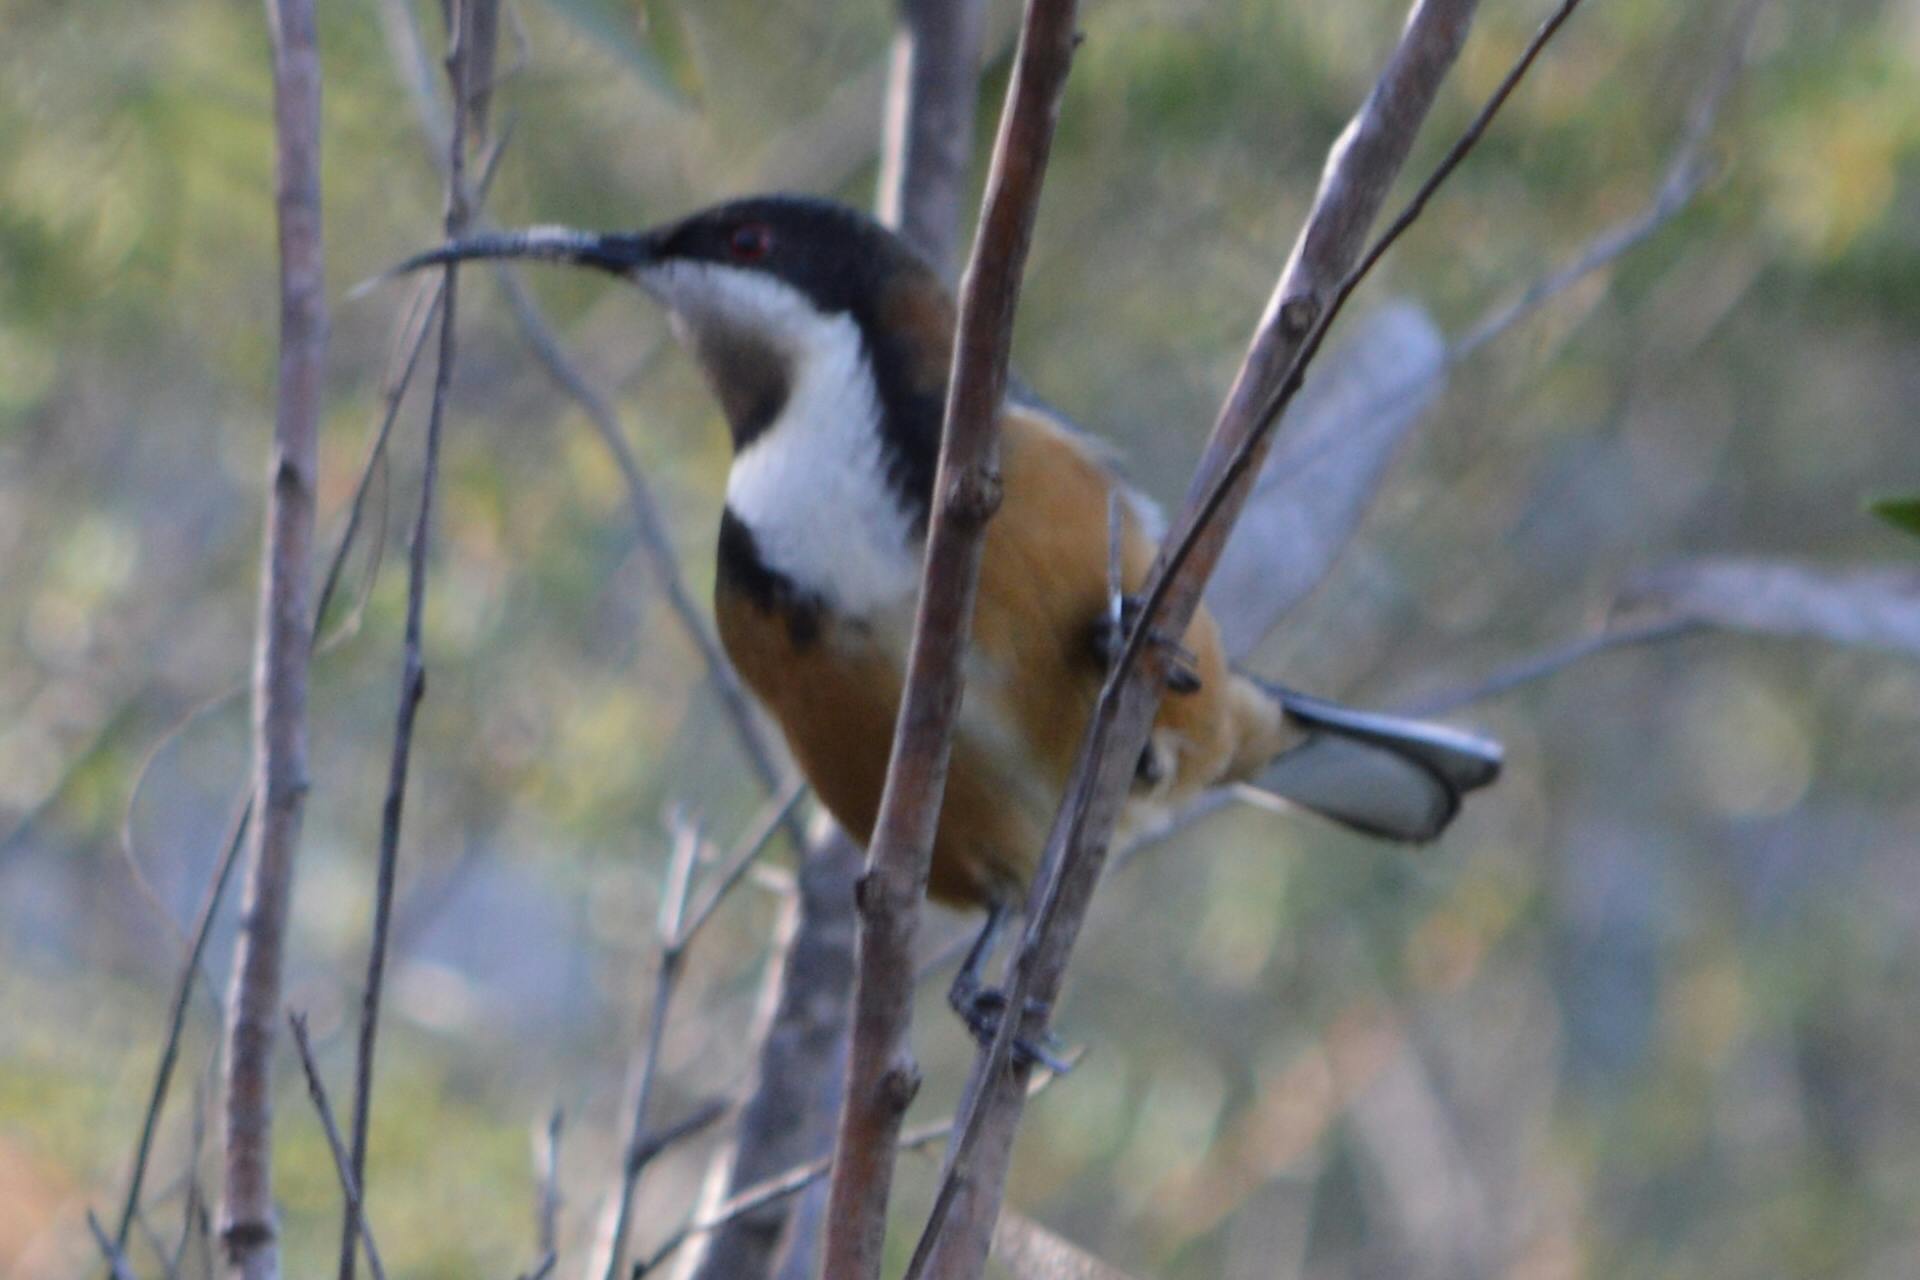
[766, 287]
[838, 258]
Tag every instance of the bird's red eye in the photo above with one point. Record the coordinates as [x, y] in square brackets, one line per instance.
[750, 242]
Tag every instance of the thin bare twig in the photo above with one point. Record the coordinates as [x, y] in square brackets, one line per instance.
[1326, 266]
[116, 1256]
[774, 817]
[881, 1074]
[1538, 667]
[1687, 172]
[792, 1181]
[788, 1117]
[650, 528]
[349, 1185]
[409, 341]
[193, 1213]
[459, 59]
[639, 1150]
[284, 648]
[177, 1021]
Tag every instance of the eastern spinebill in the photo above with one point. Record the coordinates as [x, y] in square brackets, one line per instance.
[827, 341]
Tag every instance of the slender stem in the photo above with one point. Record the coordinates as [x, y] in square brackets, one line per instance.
[1542, 665]
[177, 1020]
[349, 1185]
[774, 818]
[413, 662]
[771, 1190]
[115, 1254]
[926, 156]
[640, 1150]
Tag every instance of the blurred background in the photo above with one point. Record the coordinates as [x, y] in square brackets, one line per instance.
[1647, 1011]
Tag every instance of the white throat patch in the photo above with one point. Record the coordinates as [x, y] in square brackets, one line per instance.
[812, 486]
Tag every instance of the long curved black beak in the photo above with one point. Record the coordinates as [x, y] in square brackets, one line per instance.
[620, 254]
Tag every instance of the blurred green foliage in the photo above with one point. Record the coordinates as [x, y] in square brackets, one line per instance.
[1900, 512]
[1645, 1013]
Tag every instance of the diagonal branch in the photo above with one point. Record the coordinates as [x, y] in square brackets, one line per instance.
[881, 1073]
[349, 1185]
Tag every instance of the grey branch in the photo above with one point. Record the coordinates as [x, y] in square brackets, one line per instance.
[248, 1229]
[881, 1074]
[926, 155]
[927, 141]
[787, 1121]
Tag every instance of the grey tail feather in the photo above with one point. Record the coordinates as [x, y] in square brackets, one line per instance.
[1385, 775]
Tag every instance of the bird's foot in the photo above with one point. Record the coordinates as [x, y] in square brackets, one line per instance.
[982, 1010]
[1110, 634]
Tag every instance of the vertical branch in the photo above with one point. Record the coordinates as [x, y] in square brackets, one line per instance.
[927, 133]
[788, 1119]
[413, 679]
[881, 1073]
[283, 649]
[1326, 266]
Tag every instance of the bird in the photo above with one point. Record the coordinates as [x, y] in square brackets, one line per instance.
[826, 340]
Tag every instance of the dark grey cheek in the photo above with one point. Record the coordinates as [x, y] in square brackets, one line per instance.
[750, 378]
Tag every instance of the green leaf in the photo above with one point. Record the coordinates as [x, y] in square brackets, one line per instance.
[1901, 511]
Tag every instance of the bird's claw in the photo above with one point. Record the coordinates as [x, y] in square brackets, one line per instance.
[982, 1012]
[1110, 634]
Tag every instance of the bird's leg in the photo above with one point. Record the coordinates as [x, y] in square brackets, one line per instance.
[1110, 633]
[981, 1007]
